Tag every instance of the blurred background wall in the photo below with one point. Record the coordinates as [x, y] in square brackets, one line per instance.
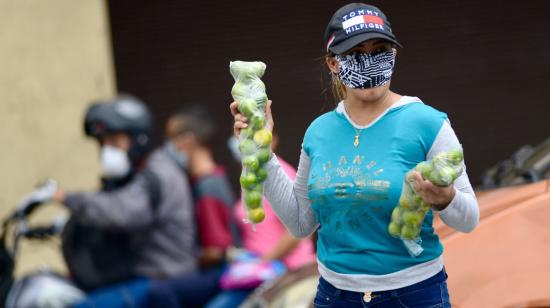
[485, 63]
[55, 56]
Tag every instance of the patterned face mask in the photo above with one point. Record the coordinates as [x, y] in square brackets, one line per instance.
[365, 70]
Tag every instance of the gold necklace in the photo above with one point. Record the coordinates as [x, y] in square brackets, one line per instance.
[357, 135]
[357, 131]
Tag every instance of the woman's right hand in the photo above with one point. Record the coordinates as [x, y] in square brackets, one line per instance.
[240, 121]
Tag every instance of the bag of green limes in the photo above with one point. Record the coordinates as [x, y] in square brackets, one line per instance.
[255, 140]
[408, 215]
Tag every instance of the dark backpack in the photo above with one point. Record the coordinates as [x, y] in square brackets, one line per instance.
[97, 257]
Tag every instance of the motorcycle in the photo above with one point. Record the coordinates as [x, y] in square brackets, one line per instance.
[43, 288]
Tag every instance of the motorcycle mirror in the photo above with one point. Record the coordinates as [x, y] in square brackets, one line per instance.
[43, 193]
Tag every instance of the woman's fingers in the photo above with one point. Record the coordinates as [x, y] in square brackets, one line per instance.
[434, 194]
[423, 187]
[439, 197]
[417, 178]
[240, 125]
[240, 118]
[234, 107]
[237, 126]
[240, 121]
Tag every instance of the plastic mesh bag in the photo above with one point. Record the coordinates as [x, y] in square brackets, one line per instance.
[408, 215]
[255, 140]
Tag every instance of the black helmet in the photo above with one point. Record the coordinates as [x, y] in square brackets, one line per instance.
[122, 114]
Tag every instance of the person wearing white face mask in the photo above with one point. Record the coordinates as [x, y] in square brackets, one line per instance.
[140, 225]
[114, 161]
[189, 133]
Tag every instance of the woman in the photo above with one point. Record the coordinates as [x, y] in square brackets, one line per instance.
[351, 171]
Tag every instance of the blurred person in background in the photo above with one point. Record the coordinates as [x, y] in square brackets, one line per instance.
[140, 224]
[268, 240]
[189, 133]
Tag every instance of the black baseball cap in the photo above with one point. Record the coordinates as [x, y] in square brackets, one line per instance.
[355, 23]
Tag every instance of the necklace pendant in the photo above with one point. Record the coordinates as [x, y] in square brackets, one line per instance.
[356, 142]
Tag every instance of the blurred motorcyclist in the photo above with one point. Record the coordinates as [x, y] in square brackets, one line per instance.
[141, 223]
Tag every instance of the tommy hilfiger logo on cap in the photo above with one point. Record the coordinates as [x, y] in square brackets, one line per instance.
[362, 19]
[355, 23]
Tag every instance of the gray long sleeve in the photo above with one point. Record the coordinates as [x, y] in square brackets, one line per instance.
[462, 213]
[124, 209]
[289, 198]
[291, 203]
[165, 233]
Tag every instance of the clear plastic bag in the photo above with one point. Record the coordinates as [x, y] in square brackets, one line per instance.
[408, 215]
[255, 140]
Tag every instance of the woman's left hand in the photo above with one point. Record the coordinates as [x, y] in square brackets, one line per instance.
[438, 197]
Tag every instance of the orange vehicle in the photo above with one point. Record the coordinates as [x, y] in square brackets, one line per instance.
[504, 262]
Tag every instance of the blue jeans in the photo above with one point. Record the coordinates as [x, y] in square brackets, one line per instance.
[229, 299]
[130, 294]
[189, 290]
[429, 293]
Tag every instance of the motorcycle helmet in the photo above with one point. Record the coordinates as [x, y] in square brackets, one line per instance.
[122, 114]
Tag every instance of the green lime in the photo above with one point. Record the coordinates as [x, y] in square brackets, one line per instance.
[262, 137]
[261, 175]
[455, 156]
[407, 202]
[252, 199]
[396, 215]
[446, 176]
[248, 107]
[439, 159]
[247, 147]
[257, 120]
[258, 188]
[413, 218]
[394, 229]
[247, 132]
[248, 180]
[425, 168]
[409, 233]
[256, 215]
[251, 162]
[239, 90]
[264, 154]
